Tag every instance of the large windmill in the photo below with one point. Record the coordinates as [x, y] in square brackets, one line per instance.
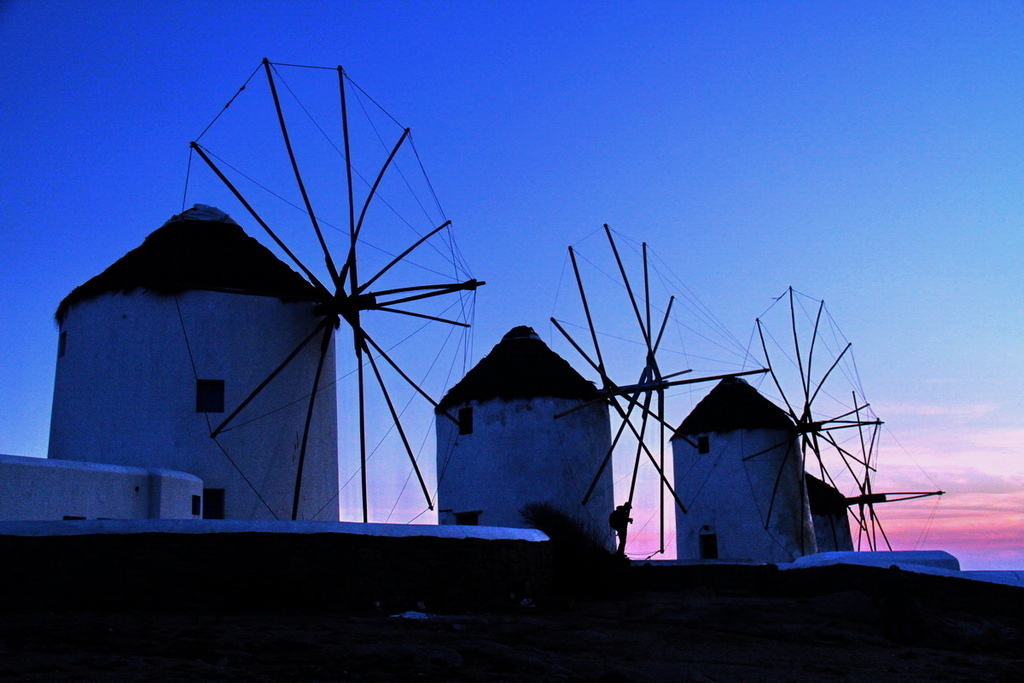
[359, 280]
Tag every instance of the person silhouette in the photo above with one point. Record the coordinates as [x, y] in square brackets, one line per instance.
[619, 520]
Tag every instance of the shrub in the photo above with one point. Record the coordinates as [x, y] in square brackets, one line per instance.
[583, 564]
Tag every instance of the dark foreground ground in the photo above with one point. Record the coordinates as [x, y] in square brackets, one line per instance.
[665, 628]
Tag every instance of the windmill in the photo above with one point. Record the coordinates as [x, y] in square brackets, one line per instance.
[359, 282]
[817, 383]
[638, 406]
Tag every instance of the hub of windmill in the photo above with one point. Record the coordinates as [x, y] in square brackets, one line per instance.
[810, 427]
[344, 305]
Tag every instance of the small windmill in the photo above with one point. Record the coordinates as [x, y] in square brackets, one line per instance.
[838, 437]
[346, 294]
[638, 406]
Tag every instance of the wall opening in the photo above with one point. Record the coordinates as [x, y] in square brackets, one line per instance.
[703, 444]
[708, 544]
[62, 344]
[197, 505]
[468, 518]
[213, 503]
[209, 396]
[466, 420]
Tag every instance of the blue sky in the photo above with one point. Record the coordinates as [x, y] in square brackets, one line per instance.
[868, 154]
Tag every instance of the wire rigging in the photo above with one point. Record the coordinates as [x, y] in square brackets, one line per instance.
[233, 97]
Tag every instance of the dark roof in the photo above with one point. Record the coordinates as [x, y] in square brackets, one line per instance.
[733, 404]
[201, 248]
[824, 499]
[520, 366]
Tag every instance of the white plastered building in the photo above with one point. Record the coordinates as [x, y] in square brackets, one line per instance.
[156, 351]
[739, 473]
[41, 489]
[505, 448]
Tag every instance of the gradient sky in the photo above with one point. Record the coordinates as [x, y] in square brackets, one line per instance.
[869, 154]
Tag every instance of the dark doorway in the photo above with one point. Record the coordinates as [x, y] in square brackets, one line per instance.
[213, 503]
[468, 518]
[709, 546]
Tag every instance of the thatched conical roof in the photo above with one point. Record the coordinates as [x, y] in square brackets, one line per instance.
[201, 248]
[733, 404]
[520, 366]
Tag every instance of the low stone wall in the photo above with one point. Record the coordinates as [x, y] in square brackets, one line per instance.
[252, 571]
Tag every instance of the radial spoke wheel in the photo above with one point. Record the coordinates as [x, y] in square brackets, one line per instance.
[814, 378]
[377, 249]
[638, 402]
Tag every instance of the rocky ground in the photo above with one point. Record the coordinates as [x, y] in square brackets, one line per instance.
[663, 633]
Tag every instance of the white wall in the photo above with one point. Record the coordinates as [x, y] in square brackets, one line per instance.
[124, 394]
[832, 533]
[733, 497]
[41, 489]
[519, 454]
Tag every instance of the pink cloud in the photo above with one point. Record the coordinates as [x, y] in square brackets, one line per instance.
[985, 530]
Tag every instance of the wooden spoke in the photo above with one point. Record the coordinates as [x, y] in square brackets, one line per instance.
[252, 212]
[325, 347]
[383, 354]
[361, 395]
[771, 370]
[775, 487]
[771, 448]
[363, 287]
[647, 303]
[831, 368]
[350, 263]
[661, 472]
[350, 259]
[810, 351]
[422, 315]
[397, 421]
[604, 463]
[298, 176]
[438, 290]
[255, 392]
[661, 330]
[640, 444]
[629, 289]
[799, 356]
[599, 366]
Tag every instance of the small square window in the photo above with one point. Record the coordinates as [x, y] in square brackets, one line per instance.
[197, 505]
[703, 444]
[466, 420]
[209, 396]
[62, 344]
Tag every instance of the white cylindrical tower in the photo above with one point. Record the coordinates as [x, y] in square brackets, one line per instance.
[508, 449]
[739, 472]
[156, 351]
